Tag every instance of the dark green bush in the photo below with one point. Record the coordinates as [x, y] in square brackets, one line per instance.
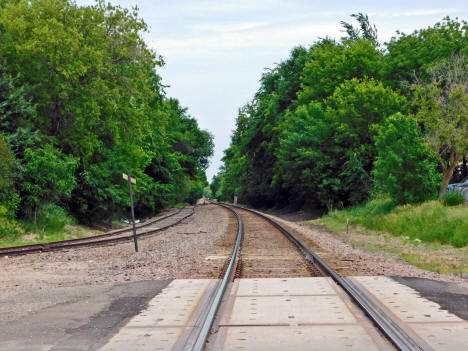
[453, 198]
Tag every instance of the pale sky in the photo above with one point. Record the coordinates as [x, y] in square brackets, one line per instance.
[215, 51]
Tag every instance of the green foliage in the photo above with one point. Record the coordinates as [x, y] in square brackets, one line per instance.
[404, 168]
[411, 55]
[215, 185]
[9, 228]
[248, 163]
[13, 103]
[330, 154]
[52, 218]
[308, 135]
[453, 198]
[331, 63]
[48, 175]
[81, 102]
[9, 198]
[430, 221]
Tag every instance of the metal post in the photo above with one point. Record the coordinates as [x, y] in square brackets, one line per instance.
[133, 212]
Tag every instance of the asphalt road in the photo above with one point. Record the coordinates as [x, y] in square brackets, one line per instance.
[450, 296]
[85, 324]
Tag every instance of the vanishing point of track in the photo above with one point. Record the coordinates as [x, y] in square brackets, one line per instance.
[110, 238]
[243, 264]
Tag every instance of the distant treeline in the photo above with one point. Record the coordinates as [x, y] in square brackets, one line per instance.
[346, 119]
[81, 102]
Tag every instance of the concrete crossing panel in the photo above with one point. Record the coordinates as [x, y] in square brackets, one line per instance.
[303, 338]
[285, 286]
[289, 310]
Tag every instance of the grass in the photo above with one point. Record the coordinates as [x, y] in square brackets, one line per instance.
[53, 224]
[435, 264]
[430, 222]
[429, 235]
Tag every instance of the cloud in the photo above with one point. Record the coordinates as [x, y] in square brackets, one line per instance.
[227, 28]
[273, 38]
[216, 7]
[415, 13]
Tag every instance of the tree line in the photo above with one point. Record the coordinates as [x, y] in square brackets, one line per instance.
[344, 120]
[81, 102]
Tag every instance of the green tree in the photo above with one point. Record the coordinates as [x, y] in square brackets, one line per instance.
[48, 176]
[405, 168]
[410, 56]
[308, 157]
[215, 185]
[331, 63]
[443, 109]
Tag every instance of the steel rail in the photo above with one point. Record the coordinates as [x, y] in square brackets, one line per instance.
[389, 327]
[96, 240]
[208, 322]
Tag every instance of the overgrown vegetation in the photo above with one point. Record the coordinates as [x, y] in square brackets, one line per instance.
[453, 198]
[349, 120]
[429, 222]
[81, 102]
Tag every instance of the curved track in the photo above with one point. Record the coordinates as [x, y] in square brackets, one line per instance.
[390, 329]
[111, 237]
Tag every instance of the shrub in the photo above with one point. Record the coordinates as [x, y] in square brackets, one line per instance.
[453, 198]
[53, 218]
[8, 227]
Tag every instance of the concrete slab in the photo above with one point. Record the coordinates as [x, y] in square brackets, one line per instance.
[303, 338]
[144, 339]
[444, 336]
[435, 326]
[168, 320]
[174, 306]
[406, 303]
[285, 286]
[289, 310]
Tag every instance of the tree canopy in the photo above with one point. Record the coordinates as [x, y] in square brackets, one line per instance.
[81, 102]
[316, 131]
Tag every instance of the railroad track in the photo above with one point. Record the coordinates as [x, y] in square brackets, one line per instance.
[112, 237]
[243, 263]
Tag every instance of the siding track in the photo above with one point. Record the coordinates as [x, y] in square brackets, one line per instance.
[110, 238]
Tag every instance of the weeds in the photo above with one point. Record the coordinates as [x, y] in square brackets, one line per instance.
[453, 198]
[428, 222]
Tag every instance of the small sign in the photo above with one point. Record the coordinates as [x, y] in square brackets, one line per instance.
[125, 176]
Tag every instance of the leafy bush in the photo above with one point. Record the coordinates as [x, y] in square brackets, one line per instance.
[453, 198]
[53, 218]
[8, 227]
